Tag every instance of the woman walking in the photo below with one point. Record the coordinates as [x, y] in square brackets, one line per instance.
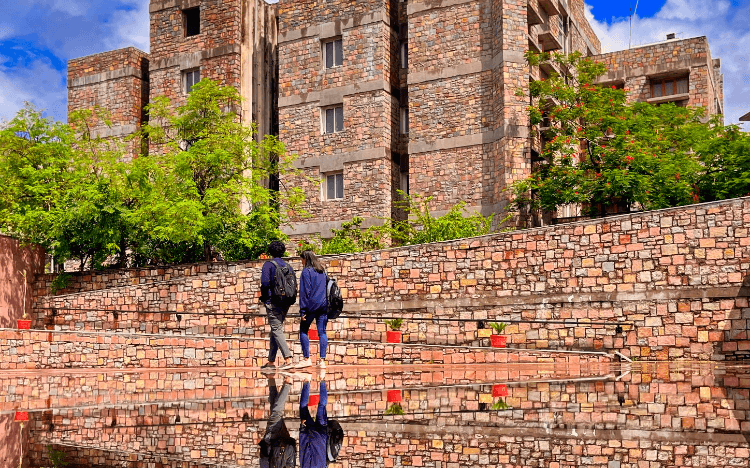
[313, 305]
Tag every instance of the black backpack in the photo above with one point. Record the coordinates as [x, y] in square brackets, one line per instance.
[335, 301]
[335, 439]
[284, 288]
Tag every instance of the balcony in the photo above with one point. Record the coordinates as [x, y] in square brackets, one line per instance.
[550, 6]
[533, 15]
[549, 39]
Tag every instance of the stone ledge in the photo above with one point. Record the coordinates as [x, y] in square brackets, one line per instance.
[330, 96]
[193, 60]
[333, 162]
[471, 68]
[324, 228]
[106, 76]
[491, 136]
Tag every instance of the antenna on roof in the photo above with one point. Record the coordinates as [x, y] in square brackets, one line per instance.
[632, 13]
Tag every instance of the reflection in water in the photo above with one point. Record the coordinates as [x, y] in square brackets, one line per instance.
[630, 415]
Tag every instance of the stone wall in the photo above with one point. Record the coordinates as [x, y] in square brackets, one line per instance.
[118, 82]
[675, 280]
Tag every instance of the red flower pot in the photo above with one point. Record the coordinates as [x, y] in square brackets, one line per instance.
[313, 334]
[21, 416]
[393, 336]
[313, 400]
[499, 391]
[24, 324]
[394, 396]
[498, 341]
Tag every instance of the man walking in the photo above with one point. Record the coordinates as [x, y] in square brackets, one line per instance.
[278, 291]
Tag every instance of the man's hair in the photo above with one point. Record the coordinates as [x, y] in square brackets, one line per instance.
[276, 249]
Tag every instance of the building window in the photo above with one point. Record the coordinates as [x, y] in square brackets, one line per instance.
[190, 78]
[333, 53]
[334, 186]
[404, 54]
[404, 121]
[192, 21]
[333, 119]
[669, 87]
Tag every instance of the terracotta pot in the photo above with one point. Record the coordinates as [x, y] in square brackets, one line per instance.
[499, 391]
[24, 324]
[313, 400]
[498, 341]
[394, 396]
[313, 334]
[393, 336]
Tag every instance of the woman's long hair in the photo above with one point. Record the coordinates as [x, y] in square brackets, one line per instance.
[312, 261]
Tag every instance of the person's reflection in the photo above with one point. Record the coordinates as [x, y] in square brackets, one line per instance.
[313, 434]
[278, 448]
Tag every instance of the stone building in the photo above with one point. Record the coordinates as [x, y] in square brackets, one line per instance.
[230, 41]
[376, 96]
[676, 70]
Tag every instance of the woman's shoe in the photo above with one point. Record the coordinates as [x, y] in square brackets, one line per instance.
[268, 367]
[303, 363]
[322, 364]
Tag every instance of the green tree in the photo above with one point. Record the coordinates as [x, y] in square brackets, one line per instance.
[208, 177]
[605, 153]
[726, 160]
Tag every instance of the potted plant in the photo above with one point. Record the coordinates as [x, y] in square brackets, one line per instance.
[394, 334]
[498, 340]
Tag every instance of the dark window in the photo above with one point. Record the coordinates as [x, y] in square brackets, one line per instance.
[669, 87]
[335, 186]
[404, 54]
[190, 78]
[192, 20]
[404, 120]
[333, 119]
[334, 53]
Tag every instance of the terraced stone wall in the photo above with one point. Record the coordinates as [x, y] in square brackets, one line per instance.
[673, 280]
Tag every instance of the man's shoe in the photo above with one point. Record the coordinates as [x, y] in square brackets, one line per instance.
[303, 363]
[322, 364]
[268, 367]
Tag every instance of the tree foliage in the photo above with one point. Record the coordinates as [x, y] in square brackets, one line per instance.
[201, 192]
[419, 227]
[608, 154]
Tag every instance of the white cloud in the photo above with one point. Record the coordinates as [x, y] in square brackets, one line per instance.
[727, 28]
[131, 28]
[37, 82]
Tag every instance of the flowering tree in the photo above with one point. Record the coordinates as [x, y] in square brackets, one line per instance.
[604, 153]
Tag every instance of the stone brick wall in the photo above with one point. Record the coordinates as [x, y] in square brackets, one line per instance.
[688, 57]
[675, 279]
[117, 81]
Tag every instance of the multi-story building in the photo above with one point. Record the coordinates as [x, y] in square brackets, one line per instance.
[376, 96]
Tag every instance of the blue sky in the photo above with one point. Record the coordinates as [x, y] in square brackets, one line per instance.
[38, 37]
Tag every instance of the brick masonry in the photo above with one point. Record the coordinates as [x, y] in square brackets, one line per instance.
[674, 278]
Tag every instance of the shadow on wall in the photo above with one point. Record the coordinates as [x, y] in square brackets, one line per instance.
[10, 441]
[14, 259]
